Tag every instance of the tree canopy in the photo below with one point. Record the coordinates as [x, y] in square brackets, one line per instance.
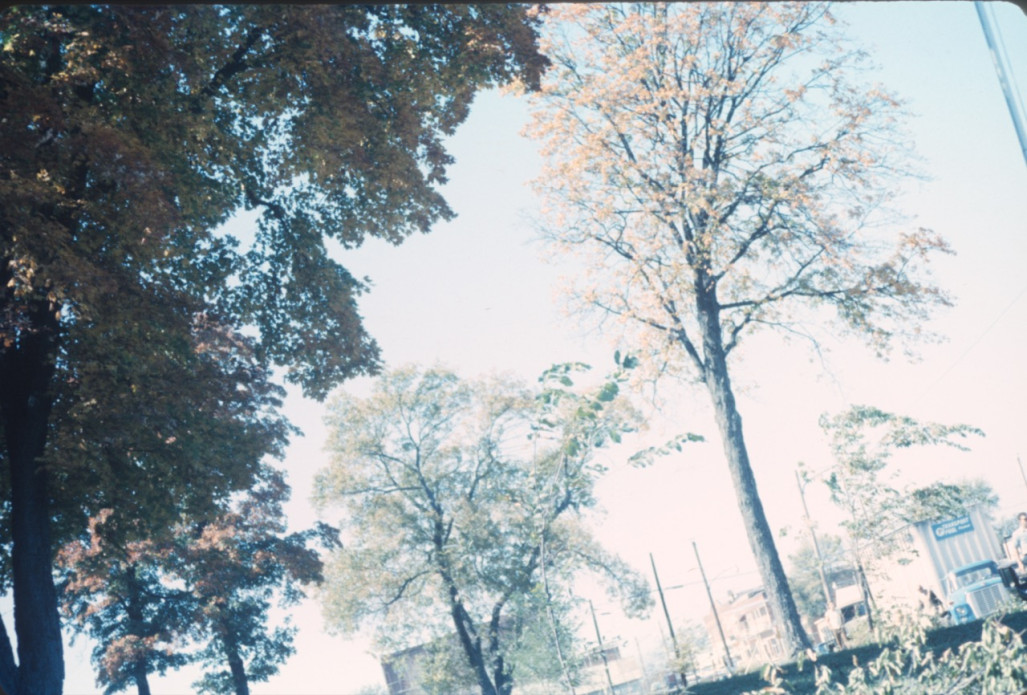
[462, 503]
[130, 135]
[720, 169]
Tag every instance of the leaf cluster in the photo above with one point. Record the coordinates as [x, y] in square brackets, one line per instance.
[908, 665]
[198, 592]
[130, 134]
[993, 665]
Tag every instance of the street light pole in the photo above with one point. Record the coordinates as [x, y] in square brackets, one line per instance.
[716, 617]
[813, 537]
[670, 625]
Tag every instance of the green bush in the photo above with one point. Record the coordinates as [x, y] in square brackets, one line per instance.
[983, 657]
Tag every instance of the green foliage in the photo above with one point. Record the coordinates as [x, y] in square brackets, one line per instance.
[235, 565]
[113, 591]
[996, 664]
[111, 204]
[462, 505]
[198, 592]
[863, 440]
[372, 690]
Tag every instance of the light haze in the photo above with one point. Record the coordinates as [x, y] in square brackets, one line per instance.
[475, 295]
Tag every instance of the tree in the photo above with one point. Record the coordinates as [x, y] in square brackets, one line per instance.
[804, 578]
[129, 135]
[204, 581]
[462, 504]
[863, 440]
[114, 591]
[235, 566]
[721, 173]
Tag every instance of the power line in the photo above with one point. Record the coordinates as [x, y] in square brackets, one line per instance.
[972, 345]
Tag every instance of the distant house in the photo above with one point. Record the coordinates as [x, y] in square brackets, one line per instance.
[749, 629]
[625, 674]
[429, 669]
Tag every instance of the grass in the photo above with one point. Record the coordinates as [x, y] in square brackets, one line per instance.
[802, 683]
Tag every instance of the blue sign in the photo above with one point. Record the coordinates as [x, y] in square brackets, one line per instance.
[952, 527]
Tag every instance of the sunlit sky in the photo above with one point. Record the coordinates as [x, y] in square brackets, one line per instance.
[475, 295]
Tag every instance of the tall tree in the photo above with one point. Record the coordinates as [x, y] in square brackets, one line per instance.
[129, 135]
[462, 503]
[720, 171]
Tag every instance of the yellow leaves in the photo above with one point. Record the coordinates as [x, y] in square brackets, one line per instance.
[794, 152]
[793, 95]
[788, 40]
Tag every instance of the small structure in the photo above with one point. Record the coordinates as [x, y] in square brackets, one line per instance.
[427, 669]
[749, 629]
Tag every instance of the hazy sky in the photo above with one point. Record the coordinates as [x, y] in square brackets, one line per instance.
[474, 295]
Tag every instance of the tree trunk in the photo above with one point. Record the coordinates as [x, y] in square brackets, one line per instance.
[8, 669]
[471, 645]
[139, 674]
[504, 683]
[500, 673]
[26, 373]
[729, 422]
[238, 668]
[136, 627]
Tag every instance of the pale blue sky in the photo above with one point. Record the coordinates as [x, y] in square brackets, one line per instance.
[475, 295]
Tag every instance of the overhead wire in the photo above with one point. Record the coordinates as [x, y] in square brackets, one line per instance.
[972, 345]
[1015, 105]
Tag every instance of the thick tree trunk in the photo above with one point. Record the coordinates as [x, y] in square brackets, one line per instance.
[137, 627]
[500, 672]
[504, 683]
[139, 674]
[26, 373]
[729, 422]
[471, 644]
[237, 667]
[8, 669]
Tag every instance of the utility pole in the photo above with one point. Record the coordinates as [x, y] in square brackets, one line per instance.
[670, 625]
[729, 662]
[1020, 464]
[813, 536]
[602, 651]
[1005, 77]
